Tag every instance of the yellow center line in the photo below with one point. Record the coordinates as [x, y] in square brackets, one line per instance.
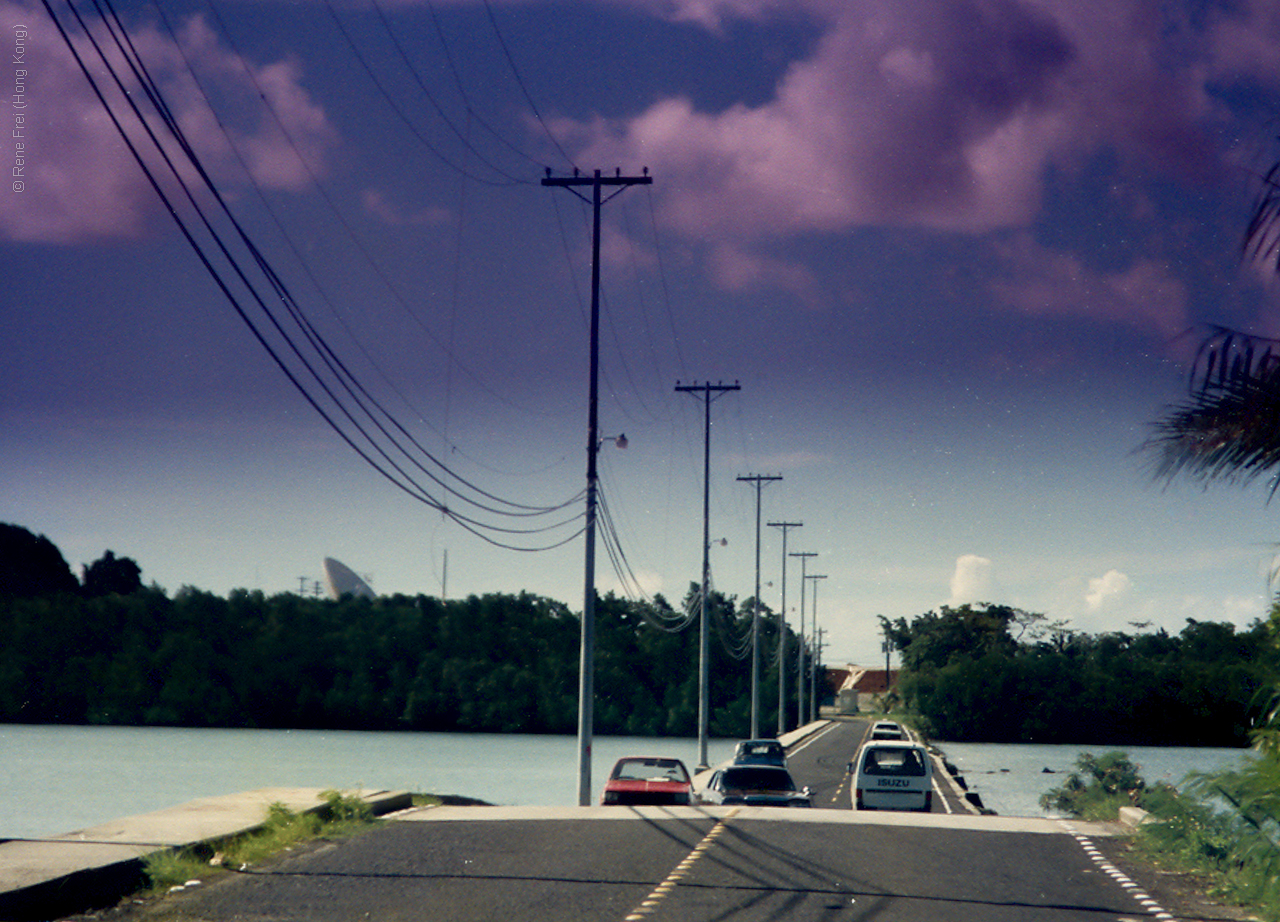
[651, 902]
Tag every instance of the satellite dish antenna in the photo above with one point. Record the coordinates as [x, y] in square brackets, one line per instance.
[341, 580]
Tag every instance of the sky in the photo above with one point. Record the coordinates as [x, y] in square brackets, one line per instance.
[957, 256]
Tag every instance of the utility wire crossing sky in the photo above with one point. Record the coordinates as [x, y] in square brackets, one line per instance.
[310, 297]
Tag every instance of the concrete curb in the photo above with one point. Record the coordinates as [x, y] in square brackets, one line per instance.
[1133, 817]
[93, 868]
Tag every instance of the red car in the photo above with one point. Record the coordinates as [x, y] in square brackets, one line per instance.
[648, 780]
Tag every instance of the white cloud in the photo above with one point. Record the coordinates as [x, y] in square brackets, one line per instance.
[1041, 282]
[1107, 590]
[972, 581]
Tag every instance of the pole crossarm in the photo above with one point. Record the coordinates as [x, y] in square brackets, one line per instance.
[596, 179]
[586, 669]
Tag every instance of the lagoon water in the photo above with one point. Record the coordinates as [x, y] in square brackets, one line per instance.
[60, 779]
[1011, 778]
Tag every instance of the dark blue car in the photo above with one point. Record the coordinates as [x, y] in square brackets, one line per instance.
[760, 752]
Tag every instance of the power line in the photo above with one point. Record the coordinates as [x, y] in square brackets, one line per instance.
[358, 401]
[435, 151]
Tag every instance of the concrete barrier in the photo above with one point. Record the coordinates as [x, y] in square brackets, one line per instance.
[93, 868]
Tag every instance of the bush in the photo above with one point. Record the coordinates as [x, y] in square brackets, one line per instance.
[1098, 789]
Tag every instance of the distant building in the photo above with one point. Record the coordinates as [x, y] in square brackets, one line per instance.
[341, 580]
[860, 685]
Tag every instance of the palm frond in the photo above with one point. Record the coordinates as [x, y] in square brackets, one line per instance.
[1228, 430]
[1261, 242]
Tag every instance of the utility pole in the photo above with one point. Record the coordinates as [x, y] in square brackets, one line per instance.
[759, 480]
[586, 664]
[800, 681]
[888, 648]
[708, 393]
[782, 629]
[817, 647]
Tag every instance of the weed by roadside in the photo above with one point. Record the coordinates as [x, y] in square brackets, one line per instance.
[1100, 786]
[340, 815]
[1222, 827]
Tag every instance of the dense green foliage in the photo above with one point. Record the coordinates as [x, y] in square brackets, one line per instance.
[496, 663]
[31, 564]
[996, 674]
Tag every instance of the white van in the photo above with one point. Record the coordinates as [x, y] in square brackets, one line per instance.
[892, 775]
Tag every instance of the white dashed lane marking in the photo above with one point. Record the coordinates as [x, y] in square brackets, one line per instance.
[1153, 909]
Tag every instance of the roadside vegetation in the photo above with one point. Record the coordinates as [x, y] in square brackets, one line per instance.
[340, 816]
[1224, 827]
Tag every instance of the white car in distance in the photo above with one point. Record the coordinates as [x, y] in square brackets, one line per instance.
[893, 775]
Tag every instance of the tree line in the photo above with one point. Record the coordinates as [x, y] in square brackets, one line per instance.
[133, 655]
[104, 649]
[993, 673]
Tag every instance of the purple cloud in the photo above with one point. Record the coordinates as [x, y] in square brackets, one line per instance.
[83, 184]
[938, 115]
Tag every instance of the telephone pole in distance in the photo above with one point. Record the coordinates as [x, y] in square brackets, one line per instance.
[759, 480]
[804, 563]
[782, 629]
[707, 392]
[817, 648]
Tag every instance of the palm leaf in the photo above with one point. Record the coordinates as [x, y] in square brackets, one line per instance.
[1229, 428]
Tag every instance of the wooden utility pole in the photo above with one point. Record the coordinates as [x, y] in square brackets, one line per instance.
[708, 392]
[817, 650]
[804, 563]
[586, 665]
[759, 480]
[782, 629]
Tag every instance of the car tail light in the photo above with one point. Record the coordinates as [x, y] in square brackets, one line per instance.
[928, 801]
[858, 798]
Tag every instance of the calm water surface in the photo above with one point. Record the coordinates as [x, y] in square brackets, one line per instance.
[1011, 778]
[60, 779]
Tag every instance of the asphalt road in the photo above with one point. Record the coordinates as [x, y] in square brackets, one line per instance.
[683, 864]
[820, 763]
[689, 865]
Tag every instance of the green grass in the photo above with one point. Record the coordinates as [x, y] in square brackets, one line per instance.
[1226, 827]
[341, 815]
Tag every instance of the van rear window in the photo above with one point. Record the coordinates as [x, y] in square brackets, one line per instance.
[893, 762]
